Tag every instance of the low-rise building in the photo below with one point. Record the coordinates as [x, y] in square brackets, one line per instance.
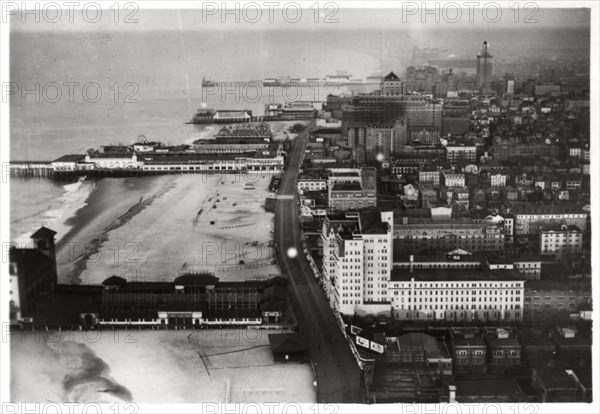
[554, 300]
[529, 219]
[472, 294]
[504, 350]
[312, 184]
[469, 351]
[429, 176]
[498, 180]
[453, 180]
[461, 153]
[560, 239]
[417, 234]
[352, 189]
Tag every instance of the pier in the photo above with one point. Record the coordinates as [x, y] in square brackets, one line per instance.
[31, 169]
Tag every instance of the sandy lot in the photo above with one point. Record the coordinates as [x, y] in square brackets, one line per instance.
[154, 367]
[213, 223]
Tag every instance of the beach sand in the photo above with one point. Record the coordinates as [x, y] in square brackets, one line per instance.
[154, 367]
[168, 225]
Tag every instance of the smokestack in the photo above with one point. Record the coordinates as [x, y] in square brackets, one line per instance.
[412, 259]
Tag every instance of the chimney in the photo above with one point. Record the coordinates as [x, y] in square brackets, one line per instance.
[451, 394]
[412, 260]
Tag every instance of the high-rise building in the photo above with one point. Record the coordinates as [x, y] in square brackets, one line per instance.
[378, 143]
[484, 67]
[357, 261]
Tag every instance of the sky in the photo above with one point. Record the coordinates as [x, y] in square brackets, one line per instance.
[146, 16]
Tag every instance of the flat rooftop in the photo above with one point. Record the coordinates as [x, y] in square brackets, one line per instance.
[347, 187]
[452, 275]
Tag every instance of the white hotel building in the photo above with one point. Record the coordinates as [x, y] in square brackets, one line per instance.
[357, 261]
[359, 276]
[459, 295]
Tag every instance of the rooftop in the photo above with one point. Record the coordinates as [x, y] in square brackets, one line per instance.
[346, 187]
[528, 208]
[560, 228]
[371, 223]
[453, 275]
[43, 233]
[70, 158]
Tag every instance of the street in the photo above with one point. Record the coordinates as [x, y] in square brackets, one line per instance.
[338, 374]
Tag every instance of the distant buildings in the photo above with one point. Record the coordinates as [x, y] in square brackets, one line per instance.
[391, 85]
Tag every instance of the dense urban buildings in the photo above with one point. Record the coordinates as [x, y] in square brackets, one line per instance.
[481, 229]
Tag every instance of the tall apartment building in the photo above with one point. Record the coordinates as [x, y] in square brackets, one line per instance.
[357, 261]
[530, 219]
[560, 239]
[467, 295]
[417, 235]
[352, 188]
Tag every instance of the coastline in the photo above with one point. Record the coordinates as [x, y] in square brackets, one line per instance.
[61, 201]
[111, 205]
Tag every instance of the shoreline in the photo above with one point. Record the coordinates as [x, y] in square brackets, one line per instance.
[74, 197]
[81, 243]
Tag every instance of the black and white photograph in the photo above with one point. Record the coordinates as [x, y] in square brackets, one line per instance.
[299, 206]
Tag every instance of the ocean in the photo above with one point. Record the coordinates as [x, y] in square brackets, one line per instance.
[100, 88]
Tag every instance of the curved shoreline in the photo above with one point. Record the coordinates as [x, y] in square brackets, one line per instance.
[94, 245]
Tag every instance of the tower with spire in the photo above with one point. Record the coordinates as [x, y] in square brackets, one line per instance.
[484, 66]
